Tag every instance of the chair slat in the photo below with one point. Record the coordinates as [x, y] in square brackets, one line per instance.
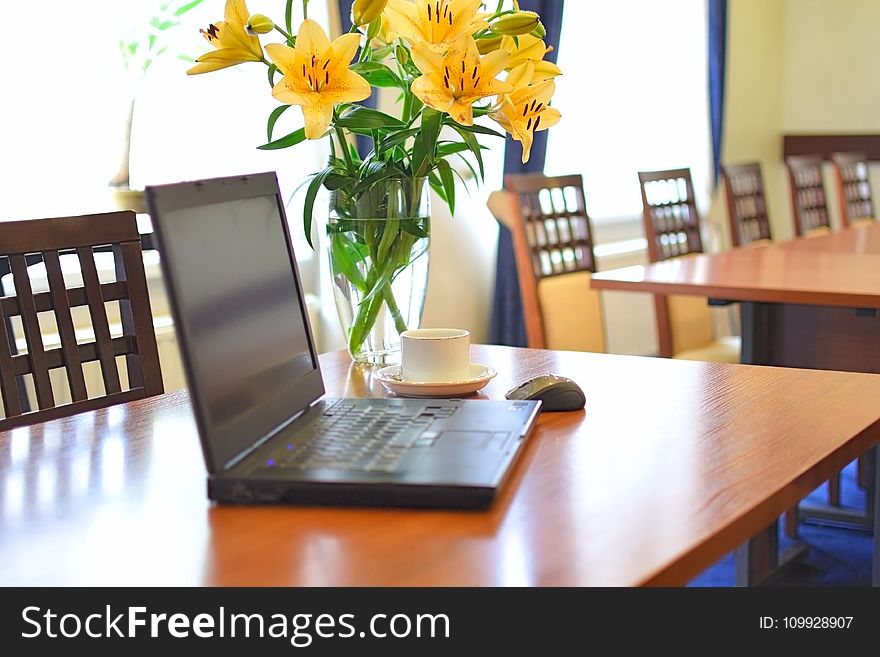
[64, 320]
[143, 370]
[31, 325]
[88, 353]
[67, 409]
[8, 380]
[99, 320]
[76, 297]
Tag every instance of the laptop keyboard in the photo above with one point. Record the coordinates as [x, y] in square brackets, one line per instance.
[364, 438]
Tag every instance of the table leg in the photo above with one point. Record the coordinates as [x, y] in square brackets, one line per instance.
[815, 337]
[875, 509]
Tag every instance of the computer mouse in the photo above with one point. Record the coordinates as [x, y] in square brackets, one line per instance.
[556, 393]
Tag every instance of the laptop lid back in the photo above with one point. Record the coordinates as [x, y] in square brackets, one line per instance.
[238, 306]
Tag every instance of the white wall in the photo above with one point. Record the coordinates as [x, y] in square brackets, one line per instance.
[797, 66]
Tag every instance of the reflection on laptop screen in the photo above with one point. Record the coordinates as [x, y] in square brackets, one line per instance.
[236, 294]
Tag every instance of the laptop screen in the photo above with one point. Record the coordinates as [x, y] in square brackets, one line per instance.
[238, 307]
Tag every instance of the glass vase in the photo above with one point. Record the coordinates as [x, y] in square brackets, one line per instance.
[379, 238]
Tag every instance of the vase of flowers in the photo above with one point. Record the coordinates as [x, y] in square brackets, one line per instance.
[378, 251]
[441, 59]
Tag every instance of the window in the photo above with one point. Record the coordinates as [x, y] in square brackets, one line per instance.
[62, 136]
[634, 98]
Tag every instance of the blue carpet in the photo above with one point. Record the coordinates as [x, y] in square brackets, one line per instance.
[837, 556]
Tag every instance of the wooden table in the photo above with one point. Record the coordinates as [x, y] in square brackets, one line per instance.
[671, 465]
[810, 302]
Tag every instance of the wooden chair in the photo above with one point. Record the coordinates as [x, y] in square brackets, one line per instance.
[853, 188]
[746, 204]
[553, 247]
[672, 228]
[54, 239]
[808, 199]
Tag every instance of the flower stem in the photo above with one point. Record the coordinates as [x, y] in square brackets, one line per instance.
[343, 145]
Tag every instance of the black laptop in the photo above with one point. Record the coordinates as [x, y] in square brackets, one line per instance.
[268, 434]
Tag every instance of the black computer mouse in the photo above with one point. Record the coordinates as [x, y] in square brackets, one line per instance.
[556, 393]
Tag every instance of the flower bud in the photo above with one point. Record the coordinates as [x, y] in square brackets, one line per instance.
[259, 24]
[485, 46]
[521, 22]
[539, 31]
[402, 55]
[366, 11]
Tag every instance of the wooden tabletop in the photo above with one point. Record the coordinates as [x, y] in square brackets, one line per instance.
[839, 269]
[671, 465]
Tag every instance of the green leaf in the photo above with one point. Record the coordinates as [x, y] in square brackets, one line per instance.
[377, 74]
[448, 180]
[374, 177]
[272, 69]
[161, 25]
[423, 149]
[365, 118]
[480, 130]
[469, 166]
[288, 15]
[311, 195]
[397, 138]
[344, 257]
[451, 148]
[273, 117]
[182, 10]
[338, 181]
[292, 139]
[474, 145]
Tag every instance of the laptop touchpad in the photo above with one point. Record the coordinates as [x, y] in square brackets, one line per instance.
[464, 439]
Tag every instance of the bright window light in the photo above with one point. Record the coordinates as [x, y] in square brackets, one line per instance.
[633, 97]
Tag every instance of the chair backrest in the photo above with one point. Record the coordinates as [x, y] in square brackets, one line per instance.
[49, 240]
[672, 228]
[553, 245]
[853, 187]
[669, 212]
[808, 199]
[746, 205]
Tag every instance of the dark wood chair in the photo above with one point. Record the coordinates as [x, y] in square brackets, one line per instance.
[746, 204]
[808, 198]
[52, 239]
[853, 188]
[553, 247]
[672, 229]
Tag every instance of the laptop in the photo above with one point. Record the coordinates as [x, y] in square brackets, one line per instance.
[268, 433]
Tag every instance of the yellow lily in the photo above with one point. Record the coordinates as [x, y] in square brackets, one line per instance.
[436, 23]
[452, 82]
[316, 75]
[231, 40]
[524, 110]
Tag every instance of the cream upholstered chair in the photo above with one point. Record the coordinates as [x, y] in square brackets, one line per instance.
[808, 200]
[672, 228]
[853, 188]
[553, 246]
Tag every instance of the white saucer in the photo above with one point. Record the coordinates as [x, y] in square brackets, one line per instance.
[480, 376]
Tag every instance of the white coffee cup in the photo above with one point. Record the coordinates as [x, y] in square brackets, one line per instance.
[435, 355]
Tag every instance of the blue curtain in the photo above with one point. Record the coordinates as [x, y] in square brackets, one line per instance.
[717, 61]
[364, 143]
[508, 326]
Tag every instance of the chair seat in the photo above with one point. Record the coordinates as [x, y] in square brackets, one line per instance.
[723, 350]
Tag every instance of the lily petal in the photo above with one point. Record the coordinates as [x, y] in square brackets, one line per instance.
[317, 119]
